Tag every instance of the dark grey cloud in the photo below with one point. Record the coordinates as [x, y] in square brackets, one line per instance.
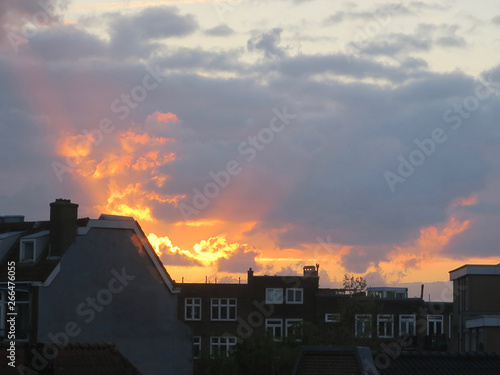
[358, 260]
[451, 41]
[239, 261]
[220, 30]
[67, 42]
[268, 43]
[393, 44]
[176, 259]
[480, 239]
[139, 34]
[339, 64]
[187, 58]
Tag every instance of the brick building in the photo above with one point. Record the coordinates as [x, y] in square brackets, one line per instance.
[221, 315]
[476, 308]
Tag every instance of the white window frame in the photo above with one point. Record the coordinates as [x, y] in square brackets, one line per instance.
[294, 300]
[288, 325]
[274, 296]
[365, 318]
[196, 343]
[273, 324]
[190, 303]
[228, 305]
[22, 255]
[226, 342]
[332, 318]
[407, 320]
[434, 319]
[387, 320]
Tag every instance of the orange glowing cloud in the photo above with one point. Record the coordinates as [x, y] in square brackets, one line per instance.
[163, 118]
[131, 141]
[118, 202]
[472, 200]
[153, 159]
[424, 251]
[435, 238]
[112, 165]
[76, 146]
[163, 244]
[207, 252]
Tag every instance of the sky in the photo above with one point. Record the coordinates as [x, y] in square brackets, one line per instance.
[360, 136]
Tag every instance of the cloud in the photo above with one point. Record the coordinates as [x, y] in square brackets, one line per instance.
[21, 20]
[268, 43]
[359, 259]
[321, 176]
[171, 255]
[220, 30]
[67, 42]
[239, 261]
[139, 34]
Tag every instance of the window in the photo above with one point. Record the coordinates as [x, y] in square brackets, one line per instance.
[407, 325]
[21, 308]
[275, 328]
[362, 328]
[222, 345]
[332, 318]
[294, 295]
[27, 251]
[192, 309]
[434, 325]
[385, 325]
[196, 346]
[293, 327]
[274, 296]
[223, 309]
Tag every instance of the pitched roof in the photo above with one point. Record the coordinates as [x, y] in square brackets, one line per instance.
[44, 266]
[334, 361]
[442, 363]
[74, 359]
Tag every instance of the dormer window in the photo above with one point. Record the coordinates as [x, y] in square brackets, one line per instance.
[28, 254]
[32, 246]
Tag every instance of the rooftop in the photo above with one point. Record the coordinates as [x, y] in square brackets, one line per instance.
[475, 269]
[73, 359]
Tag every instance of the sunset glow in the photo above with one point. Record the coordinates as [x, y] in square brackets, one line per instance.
[238, 138]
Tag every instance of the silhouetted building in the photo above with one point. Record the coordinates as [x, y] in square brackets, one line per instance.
[73, 359]
[221, 315]
[83, 280]
[476, 308]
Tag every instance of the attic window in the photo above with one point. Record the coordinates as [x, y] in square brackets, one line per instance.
[27, 251]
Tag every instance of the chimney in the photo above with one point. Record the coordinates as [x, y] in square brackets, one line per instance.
[250, 275]
[63, 225]
[310, 271]
[422, 292]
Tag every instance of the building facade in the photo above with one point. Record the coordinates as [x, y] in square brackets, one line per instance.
[221, 315]
[92, 281]
[476, 308]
